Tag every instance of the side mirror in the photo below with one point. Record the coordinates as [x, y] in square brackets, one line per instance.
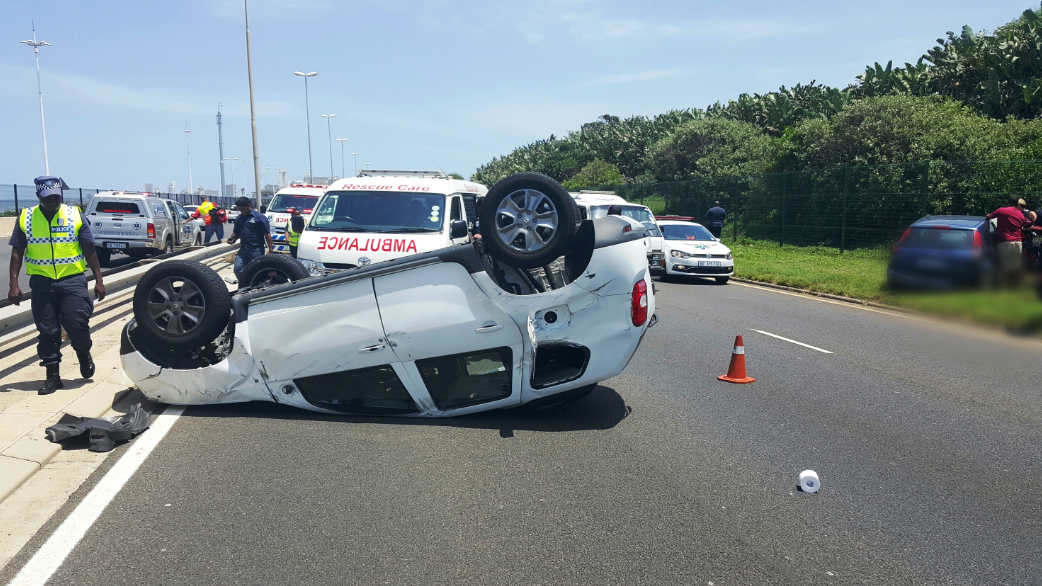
[264, 209]
[458, 230]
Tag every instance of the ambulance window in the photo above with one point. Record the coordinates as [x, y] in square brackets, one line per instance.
[456, 213]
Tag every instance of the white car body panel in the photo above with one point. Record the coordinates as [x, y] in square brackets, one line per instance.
[417, 312]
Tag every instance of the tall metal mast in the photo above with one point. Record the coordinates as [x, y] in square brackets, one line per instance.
[220, 147]
[36, 49]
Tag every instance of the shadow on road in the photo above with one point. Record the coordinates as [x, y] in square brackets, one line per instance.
[602, 409]
[687, 280]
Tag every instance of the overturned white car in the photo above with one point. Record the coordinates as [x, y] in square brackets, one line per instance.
[448, 332]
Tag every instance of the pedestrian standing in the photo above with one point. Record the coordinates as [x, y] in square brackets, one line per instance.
[252, 228]
[1010, 222]
[57, 247]
[293, 229]
[715, 217]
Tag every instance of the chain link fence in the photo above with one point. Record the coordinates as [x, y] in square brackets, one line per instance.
[14, 197]
[847, 207]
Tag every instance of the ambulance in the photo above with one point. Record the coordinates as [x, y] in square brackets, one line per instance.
[382, 215]
[297, 195]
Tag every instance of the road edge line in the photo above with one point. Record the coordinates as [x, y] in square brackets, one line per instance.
[46, 561]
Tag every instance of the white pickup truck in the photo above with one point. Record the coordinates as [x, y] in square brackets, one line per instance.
[138, 225]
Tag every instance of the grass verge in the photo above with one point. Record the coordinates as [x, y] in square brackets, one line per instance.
[861, 274]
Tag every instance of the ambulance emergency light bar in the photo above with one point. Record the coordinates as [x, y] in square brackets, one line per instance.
[393, 173]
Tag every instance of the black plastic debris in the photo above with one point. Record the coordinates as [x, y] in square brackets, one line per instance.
[104, 431]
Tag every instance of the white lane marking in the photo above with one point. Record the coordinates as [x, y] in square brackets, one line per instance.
[792, 341]
[52, 554]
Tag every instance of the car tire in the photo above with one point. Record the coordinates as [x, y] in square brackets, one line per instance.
[181, 305]
[722, 280]
[168, 247]
[528, 199]
[272, 269]
[104, 256]
[198, 240]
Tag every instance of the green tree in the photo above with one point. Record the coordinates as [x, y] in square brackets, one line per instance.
[596, 173]
[455, 175]
[714, 147]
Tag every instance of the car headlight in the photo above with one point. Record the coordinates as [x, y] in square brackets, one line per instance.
[315, 268]
[729, 256]
[678, 254]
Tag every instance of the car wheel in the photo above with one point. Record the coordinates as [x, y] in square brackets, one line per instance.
[528, 220]
[168, 247]
[272, 269]
[104, 256]
[182, 304]
[722, 280]
[198, 240]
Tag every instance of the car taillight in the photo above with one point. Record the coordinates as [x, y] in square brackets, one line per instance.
[902, 239]
[976, 240]
[639, 304]
[151, 230]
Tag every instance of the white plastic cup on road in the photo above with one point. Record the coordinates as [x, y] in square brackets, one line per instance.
[809, 481]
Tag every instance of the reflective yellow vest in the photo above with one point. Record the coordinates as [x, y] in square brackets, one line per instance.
[54, 249]
[291, 237]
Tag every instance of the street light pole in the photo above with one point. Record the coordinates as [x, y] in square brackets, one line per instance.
[253, 114]
[329, 133]
[36, 49]
[342, 141]
[355, 155]
[307, 113]
[191, 186]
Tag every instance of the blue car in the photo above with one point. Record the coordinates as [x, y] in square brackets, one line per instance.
[942, 252]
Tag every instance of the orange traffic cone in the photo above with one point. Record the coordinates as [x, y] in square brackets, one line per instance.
[736, 371]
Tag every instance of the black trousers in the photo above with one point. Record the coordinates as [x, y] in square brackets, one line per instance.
[64, 303]
[293, 251]
[715, 230]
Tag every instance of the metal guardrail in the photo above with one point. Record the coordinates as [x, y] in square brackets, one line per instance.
[14, 197]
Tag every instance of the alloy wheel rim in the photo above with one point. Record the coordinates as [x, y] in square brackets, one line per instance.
[526, 220]
[176, 306]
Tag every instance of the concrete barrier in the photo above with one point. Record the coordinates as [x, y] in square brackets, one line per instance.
[7, 226]
[16, 317]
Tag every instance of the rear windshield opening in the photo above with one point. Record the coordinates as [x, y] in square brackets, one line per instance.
[117, 207]
[938, 239]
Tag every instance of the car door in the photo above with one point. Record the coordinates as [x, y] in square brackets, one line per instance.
[187, 231]
[170, 225]
[328, 344]
[456, 215]
[455, 344]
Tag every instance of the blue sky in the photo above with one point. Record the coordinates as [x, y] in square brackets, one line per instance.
[413, 84]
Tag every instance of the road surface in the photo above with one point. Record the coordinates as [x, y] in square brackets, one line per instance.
[926, 438]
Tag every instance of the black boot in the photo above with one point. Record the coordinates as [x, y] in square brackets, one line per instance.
[53, 381]
[86, 364]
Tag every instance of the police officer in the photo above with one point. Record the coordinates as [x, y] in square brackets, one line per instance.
[715, 217]
[57, 246]
[252, 227]
[293, 229]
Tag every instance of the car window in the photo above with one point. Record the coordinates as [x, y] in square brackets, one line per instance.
[117, 207]
[284, 201]
[456, 214]
[467, 379]
[686, 232]
[379, 211]
[638, 213]
[181, 213]
[938, 238]
[376, 391]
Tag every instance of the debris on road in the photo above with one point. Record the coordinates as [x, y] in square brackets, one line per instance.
[809, 481]
[736, 370]
[104, 431]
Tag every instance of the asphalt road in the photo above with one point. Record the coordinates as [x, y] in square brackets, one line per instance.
[928, 441]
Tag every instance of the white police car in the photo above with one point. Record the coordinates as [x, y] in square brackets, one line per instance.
[456, 330]
[692, 250]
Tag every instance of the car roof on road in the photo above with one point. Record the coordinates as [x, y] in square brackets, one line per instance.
[964, 222]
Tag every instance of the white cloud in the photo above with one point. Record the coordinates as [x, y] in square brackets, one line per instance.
[62, 87]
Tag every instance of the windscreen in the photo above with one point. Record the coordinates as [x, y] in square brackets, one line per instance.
[938, 239]
[117, 207]
[638, 213]
[686, 232]
[284, 201]
[379, 211]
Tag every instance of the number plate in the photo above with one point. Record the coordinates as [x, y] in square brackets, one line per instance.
[115, 245]
[709, 263]
[931, 263]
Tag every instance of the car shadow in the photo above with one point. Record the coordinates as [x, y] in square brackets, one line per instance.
[601, 409]
[689, 280]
